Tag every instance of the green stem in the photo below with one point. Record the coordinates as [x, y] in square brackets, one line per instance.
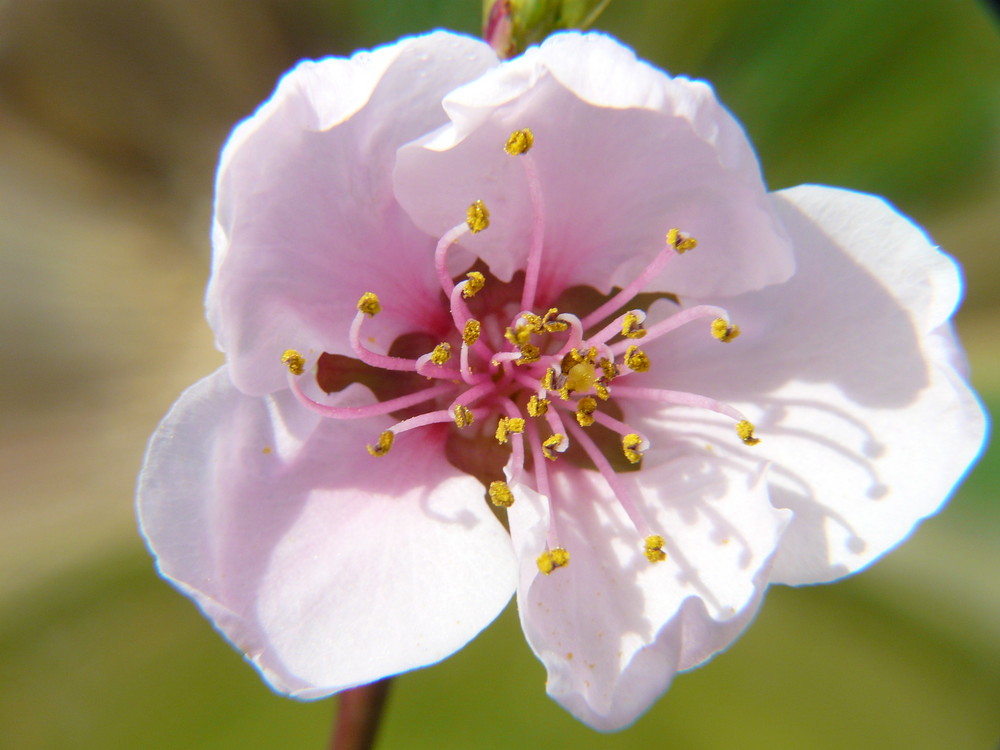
[358, 714]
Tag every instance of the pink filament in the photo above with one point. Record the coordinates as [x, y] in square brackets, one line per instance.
[673, 322]
[534, 263]
[677, 398]
[634, 287]
[614, 481]
[363, 412]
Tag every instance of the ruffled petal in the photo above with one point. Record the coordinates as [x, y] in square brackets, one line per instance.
[849, 372]
[613, 628]
[305, 217]
[326, 572]
[623, 153]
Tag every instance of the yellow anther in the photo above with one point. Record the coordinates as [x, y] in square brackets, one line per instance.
[519, 142]
[508, 426]
[723, 330]
[537, 406]
[570, 360]
[745, 430]
[609, 368]
[632, 325]
[654, 548]
[470, 334]
[294, 361]
[441, 353]
[532, 322]
[519, 336]
[636, 359]
[500, 494]
[681, 242]
[585, 409]
[529, 353]
[551, 443]
[463, 415]
[602, 390]
[477, 217]
[383, 445]
[548, 381]
[631, 445]
[565, 392]
[369, 304]
[553, 326]
[551, 559]
[474, 285]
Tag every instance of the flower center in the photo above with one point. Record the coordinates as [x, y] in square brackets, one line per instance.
[536, 381]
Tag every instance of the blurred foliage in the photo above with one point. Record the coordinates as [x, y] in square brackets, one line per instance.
[111, 116]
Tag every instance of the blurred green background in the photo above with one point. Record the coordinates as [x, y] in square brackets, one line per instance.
[111, 117]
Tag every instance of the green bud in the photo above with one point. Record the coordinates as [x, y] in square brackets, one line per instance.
[511, 26]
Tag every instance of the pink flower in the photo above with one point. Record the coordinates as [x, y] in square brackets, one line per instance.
[417, 252]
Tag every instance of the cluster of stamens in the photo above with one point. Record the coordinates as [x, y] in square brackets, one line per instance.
[542, 382]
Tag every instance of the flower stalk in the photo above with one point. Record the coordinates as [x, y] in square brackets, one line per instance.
[359, 711]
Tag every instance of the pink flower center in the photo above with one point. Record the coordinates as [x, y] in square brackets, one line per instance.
[539, 380]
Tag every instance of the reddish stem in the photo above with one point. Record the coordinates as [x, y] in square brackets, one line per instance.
[358, 714]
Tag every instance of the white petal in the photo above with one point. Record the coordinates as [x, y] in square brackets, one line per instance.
[849, 373]
[623, 154]
[305, 217]
[611, 627]
[327, 569]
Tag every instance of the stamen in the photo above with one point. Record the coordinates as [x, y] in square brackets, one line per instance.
[441, 353]
[294, 361]
[612, 478]
[678, 398]
[641, 281]
[383, 445]
[508, 425]
[553, 445]
[633, 445]
[369, 304]
[681, 242]
[653, 548]
[632, 324]
[552, 559]
[440, 255]
[471, 331]
[745, 430]
[463, 415]
[585, 409]
[477, 217]
[529, 354]
[676, 321]
[474, 285]
[367, 356]
[520, 142]
[724, 331]
[555, 326]
[636, 359]
[500, 494]
[534, 262]
[372, 410]
[537, 406]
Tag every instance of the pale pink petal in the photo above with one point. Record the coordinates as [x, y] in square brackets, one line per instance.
[611, 627]
[325, 567]
[848, 372]
[623, 154]
[305, 217]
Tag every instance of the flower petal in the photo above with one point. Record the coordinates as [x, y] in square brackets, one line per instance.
[325, 573]
[850, 374]
[611, 627]
[623, 154]
[305, 217]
